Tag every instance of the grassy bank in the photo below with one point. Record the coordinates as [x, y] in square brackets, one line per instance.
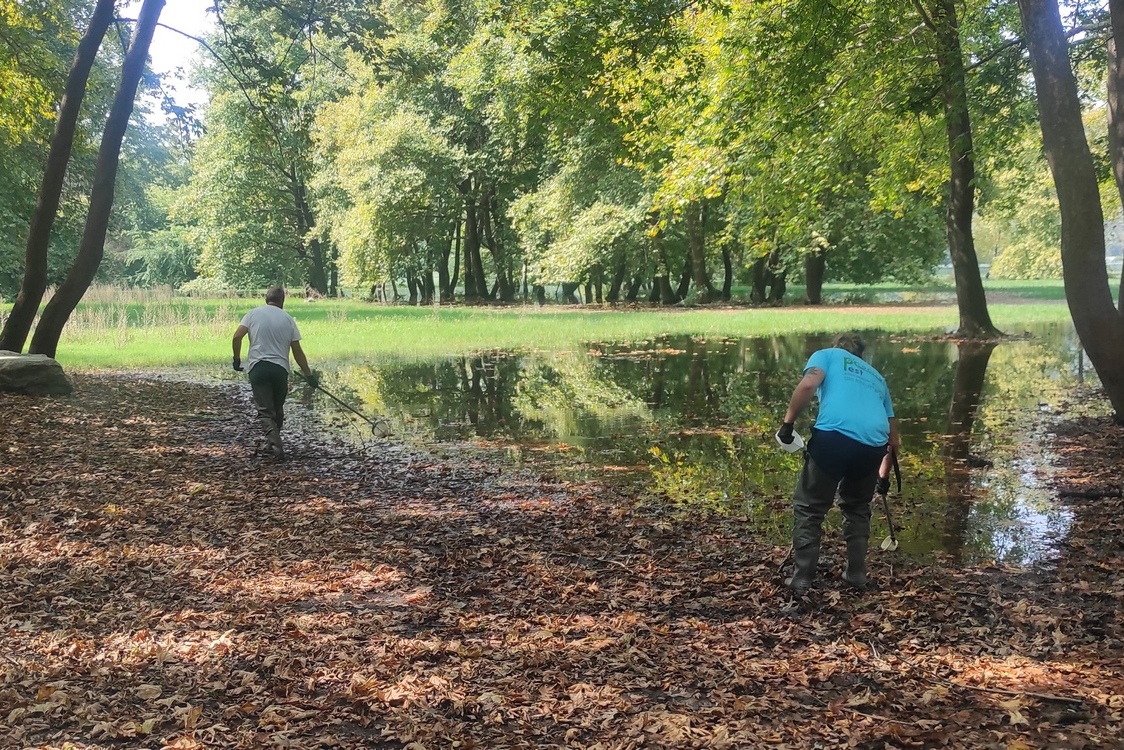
[146, 330]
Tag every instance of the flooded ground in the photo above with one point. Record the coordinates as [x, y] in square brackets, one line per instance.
[690, 421]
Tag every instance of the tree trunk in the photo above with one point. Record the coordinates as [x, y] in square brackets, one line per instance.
[1115, 114]
[696, 243]
[473, 253]
[493, 231]
[34, 282]
[317, 272]
[617, 281]
[452, 288]
[778, 286]
[334, 272]
[975, 322]
[815, 265]
[633, 289]
[757, 282]
[684, 282]
[727, 275]
[568, 289]
[473, 289]
[776, 276]
[92, 247]
[1096, 318]
[588, 293]
[411, 286]
[540, 294]
[666, 295]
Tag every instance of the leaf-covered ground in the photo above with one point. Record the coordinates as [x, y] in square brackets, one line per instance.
[160, 586]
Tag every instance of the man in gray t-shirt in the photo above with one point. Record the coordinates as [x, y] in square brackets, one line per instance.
[273, 333]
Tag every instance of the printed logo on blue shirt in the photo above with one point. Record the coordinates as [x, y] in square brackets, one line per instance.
[850, 365]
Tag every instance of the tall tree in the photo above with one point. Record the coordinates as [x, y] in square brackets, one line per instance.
[942, 19]
[34, 283]
[92, 247]
[1098, 321]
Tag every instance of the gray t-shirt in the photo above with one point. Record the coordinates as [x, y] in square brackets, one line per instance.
[272, 332]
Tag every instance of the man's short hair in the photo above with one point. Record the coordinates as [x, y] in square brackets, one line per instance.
[274, 295]
[851, 342]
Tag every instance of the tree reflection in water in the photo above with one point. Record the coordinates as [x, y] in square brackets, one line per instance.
[690, 421]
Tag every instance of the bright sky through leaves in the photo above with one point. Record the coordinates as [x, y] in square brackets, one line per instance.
[171, 50]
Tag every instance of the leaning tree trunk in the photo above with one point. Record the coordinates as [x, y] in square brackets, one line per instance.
[1095, 316]
[975, 322]
[34, 282]
[92, 247]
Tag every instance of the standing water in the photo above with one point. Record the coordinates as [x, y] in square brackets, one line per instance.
[690, 421]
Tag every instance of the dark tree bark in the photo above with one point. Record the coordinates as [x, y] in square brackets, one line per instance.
[588, 293]
[493, 231]
[451, 290]
[473, 256]
[34, 282]
[411, 286]
[474, 287]
[1116, 112]
[634, 289]
[568, 296]
[617, 282]
[306, 220]
[727, 275]
[92, 247]
[666, 295]
[684, 281]
[777, 277]
[757, 282]
[696, 243]
[1097, 320]
[815, 266]
[778, 285]
[540, 294]
[975, 321]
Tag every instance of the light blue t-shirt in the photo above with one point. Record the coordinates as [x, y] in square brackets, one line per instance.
[854, 399]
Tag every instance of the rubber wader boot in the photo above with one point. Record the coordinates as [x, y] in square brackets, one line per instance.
[858, 539]
[806, 559]
[273, 438]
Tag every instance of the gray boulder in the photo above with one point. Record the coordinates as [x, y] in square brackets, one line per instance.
[33, 374]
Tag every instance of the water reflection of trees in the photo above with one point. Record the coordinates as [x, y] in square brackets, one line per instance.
[967, 388]
[697, 415]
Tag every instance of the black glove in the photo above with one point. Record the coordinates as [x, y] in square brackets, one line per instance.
[784, 434]
[883, 486]
[236, 363]
[313, 379]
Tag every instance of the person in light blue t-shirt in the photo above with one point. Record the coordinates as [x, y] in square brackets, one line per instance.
[853, 432]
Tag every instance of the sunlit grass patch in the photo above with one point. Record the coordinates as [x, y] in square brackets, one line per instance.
[193, 332]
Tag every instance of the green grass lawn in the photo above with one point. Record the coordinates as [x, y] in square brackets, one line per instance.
[190, 332]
